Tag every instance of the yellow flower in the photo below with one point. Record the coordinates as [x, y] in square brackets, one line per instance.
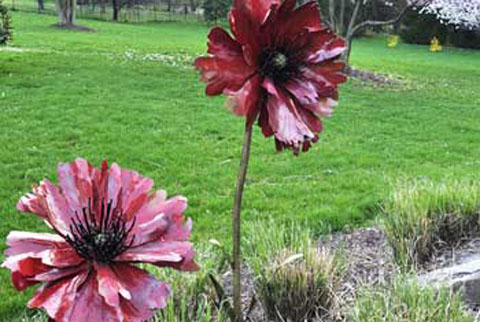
[435, 45]
[392, 41]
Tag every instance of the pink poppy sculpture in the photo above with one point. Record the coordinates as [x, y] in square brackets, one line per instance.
[105, 222]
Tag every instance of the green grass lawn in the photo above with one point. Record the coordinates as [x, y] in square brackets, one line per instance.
[103, 95]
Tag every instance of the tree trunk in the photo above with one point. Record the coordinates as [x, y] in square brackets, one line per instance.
[341, 18]
[353, 28]
[331, 13]
[350, 31]
[116, 9]
[193, 5]
[66, 12]
[41, 5]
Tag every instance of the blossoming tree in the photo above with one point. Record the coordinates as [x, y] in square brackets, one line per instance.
[461, 13]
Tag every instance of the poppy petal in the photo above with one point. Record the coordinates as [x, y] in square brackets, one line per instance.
[222, 45]
[303, 90]
[58, 297]
[75, 180]
[53, 250]
[284, 119]
[223, 74]
[109, 286]
[147, 293]
[246, 101]
[174, 254]
[89, 305]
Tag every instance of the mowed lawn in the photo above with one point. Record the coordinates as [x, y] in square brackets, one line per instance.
[127, 93]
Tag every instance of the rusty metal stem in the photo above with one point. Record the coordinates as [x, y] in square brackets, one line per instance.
[236, 225]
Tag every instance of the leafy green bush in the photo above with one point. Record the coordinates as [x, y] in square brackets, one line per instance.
[5, 25]
[465, 39]
[408, 301]
[215, 10]
[421, 28]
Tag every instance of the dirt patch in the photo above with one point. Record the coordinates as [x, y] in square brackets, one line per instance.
[368, 77]
[368, 258]
[251, 308]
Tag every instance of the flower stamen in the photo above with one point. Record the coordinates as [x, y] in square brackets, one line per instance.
[277, 65]
[100, 238]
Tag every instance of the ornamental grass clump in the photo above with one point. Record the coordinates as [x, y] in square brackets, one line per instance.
[300, 286]
[421, 216]
[105, 221]
[294, 280]
[406, 300]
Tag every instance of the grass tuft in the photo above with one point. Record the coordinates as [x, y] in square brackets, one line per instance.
[406, 300]
[422, 215]
[300, 287]
[193, 296]
[295, 281]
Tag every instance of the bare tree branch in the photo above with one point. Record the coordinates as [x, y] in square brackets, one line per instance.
[351, 28]
[370, 23]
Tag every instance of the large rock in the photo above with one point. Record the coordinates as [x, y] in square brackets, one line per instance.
[463, 273]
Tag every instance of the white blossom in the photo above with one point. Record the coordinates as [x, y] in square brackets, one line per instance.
[461, 13]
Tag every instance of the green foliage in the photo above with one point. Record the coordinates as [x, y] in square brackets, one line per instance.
[259, 250]
[465, 38]
[193, 296]
[421, 214]
[5, 25]
[421, 28]
[408, 301]
[215, 10]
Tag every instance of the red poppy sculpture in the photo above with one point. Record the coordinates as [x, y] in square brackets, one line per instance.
[106, 220]
[281, 67]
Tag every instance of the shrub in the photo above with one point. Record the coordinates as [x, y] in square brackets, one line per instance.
[465, 39]
[215, 10]
[421, 215]
[5, 25]
[406, 300]
[421, 28]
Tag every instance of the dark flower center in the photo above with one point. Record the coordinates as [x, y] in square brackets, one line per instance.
[277, 65]
[100, 237]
